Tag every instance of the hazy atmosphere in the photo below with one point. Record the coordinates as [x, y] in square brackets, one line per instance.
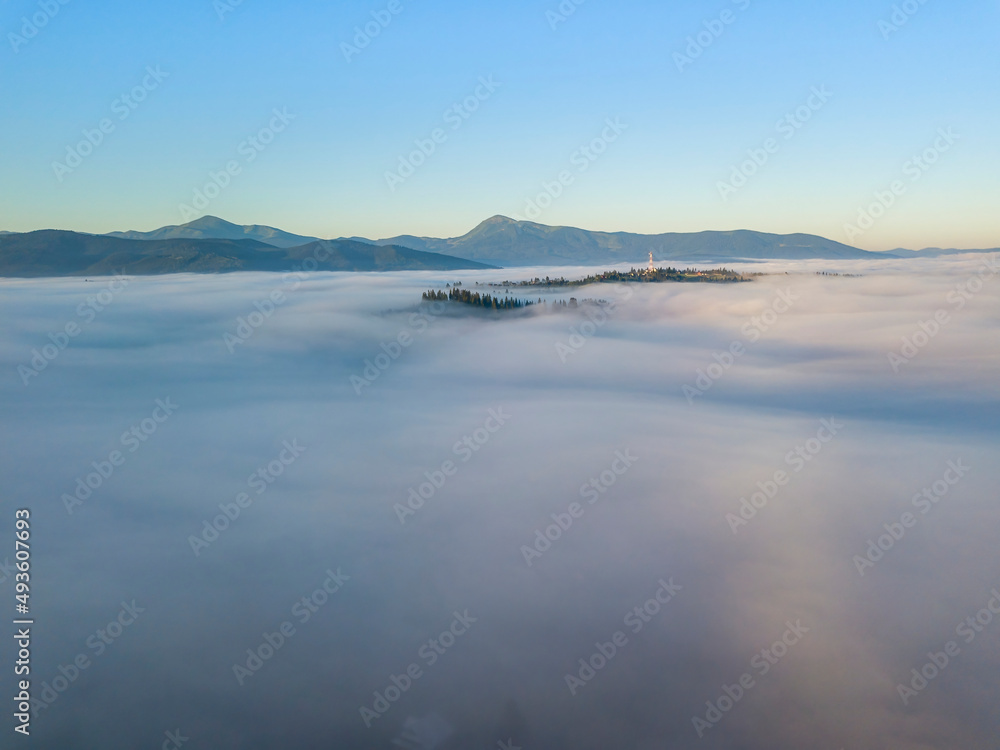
[543, 375]
[667, 518]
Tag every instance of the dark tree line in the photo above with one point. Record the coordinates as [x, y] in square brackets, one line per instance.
[476, 299]
[666, 274]
[639, 275]
[489, 302]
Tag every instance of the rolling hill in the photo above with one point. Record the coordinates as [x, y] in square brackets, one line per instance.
[214, 228]
[504, 241]
[212, 245]
[51, 252]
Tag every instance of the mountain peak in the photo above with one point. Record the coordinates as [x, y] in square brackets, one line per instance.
[209, 222]
[212, 227]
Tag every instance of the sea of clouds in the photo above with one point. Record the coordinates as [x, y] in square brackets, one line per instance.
[746, 550]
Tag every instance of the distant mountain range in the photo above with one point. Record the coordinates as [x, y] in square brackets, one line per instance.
[503, 241]
[506, 242]
[212, 245]
[51, 252]
[214, 228]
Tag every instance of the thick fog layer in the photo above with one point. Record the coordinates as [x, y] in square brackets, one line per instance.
[703, 515]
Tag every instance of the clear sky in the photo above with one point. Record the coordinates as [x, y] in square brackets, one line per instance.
[685, 123]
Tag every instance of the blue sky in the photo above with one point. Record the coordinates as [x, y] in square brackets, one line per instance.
[684, 126]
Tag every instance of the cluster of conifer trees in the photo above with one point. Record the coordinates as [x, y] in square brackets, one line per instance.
[476, 299]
